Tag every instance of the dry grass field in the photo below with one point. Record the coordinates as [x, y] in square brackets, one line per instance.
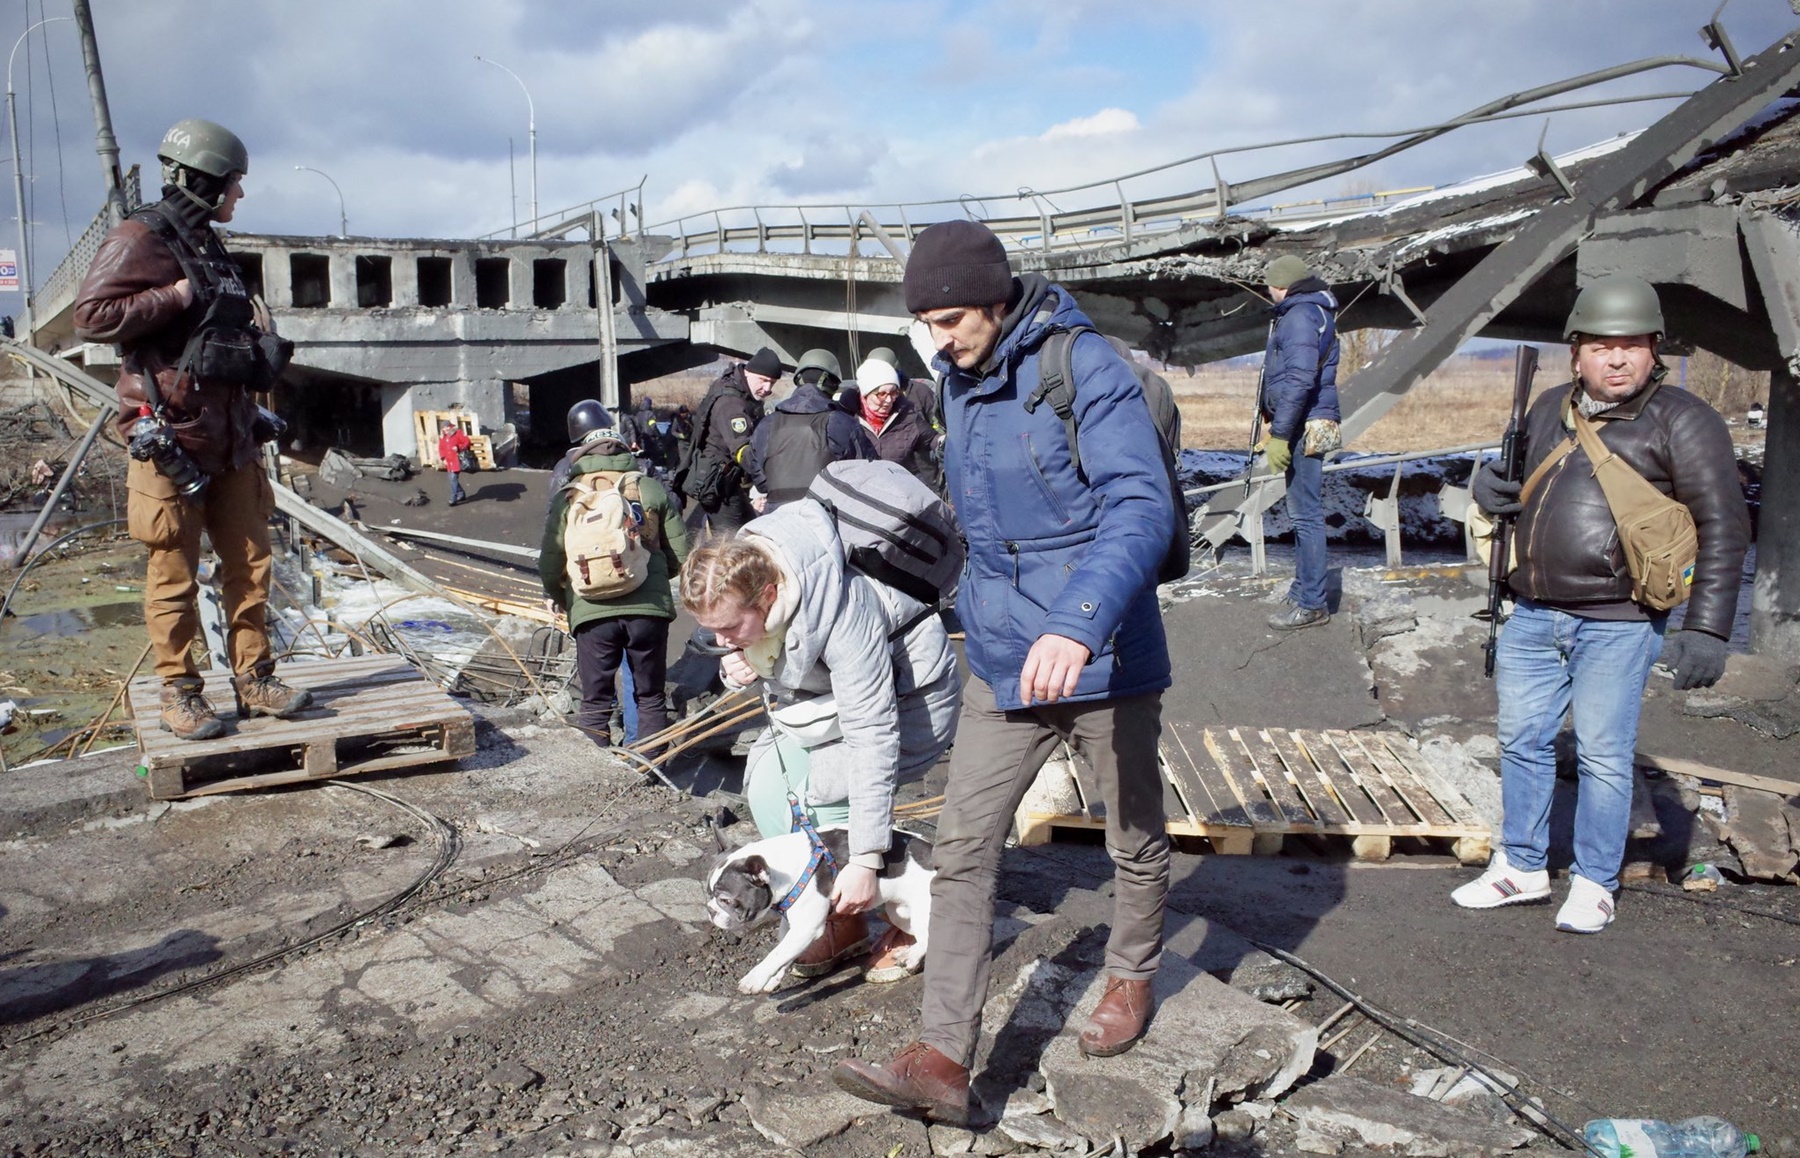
[1465, 401]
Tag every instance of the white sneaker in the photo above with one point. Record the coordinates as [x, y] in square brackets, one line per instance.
[1589, 908]
[1503, 884]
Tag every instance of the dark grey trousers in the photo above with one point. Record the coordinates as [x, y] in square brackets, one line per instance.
[997, 755]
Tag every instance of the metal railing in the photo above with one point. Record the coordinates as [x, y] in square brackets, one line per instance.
[1031, 219]
[59, 288]
[629, 204]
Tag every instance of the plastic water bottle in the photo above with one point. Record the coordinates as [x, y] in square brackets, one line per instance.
[1703, 1137]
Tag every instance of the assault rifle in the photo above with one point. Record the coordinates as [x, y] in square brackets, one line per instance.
[1256, 422]
[1512, 467]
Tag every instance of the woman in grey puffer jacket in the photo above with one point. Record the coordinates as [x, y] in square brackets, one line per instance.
[807, 625]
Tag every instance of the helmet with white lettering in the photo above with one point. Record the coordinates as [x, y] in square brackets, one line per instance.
[1616, 306]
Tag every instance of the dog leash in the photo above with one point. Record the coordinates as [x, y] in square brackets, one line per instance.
[820, 855]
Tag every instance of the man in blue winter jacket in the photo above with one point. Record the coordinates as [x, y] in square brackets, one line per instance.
[1299, 402]
[1064, 637]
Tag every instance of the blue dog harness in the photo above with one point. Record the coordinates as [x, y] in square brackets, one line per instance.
[820, 855]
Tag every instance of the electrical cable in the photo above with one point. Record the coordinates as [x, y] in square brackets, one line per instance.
[1438, 1044]
[449, 844]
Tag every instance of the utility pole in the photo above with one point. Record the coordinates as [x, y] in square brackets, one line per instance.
[104, 142]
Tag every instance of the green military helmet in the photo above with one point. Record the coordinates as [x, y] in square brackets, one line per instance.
[883, 354]
[204, 147]
[816, 359]
[1616, 306]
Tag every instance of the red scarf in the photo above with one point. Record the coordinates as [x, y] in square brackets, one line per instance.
[878, 420]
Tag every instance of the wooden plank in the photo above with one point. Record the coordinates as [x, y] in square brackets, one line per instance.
[1232, 769]
[1403, 782]
[1213, 800]
[1448, 796]
[1272, 773]
[1722, 775]
[1338, 779]
[1299, 763]
[1364, 774]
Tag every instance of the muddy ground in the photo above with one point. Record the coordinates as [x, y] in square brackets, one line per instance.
[555, 988]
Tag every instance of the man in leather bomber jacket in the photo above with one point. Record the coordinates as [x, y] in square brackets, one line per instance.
[161, 287]
[1576, 639]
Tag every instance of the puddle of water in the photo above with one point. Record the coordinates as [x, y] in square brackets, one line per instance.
[74, 621]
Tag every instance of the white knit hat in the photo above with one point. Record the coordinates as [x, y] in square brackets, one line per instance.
[874, 374]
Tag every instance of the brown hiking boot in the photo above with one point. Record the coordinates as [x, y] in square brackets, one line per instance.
[919, 1078]
[893, 958]
[844, 937]
[1119, 1020]
[186, 713]
[264, 695]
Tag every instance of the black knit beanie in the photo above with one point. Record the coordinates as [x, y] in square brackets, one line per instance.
[956, 263]
[765, 362]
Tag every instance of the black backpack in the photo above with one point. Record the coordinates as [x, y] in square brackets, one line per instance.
[797, 450]
[1056, 384]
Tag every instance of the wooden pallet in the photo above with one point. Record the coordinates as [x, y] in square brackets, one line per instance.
[1247, 789]
[368, 714]
[427, 425]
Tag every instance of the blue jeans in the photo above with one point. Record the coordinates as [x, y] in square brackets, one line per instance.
[456, 491]
[1548, 662]
[1306, 509]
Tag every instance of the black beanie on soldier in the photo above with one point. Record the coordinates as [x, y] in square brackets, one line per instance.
[956, 263]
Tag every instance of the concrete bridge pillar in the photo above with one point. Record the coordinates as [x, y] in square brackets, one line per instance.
[343, 280]
[405, 274]
[278, 285]
[1775, 606]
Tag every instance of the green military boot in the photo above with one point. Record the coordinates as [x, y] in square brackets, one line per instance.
[186, 713]
[261, 694]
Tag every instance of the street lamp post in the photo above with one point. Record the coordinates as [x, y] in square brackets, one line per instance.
[343, 220]
[12, 119]
[531, 125]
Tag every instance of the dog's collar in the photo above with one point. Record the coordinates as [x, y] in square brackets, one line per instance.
[820, 855]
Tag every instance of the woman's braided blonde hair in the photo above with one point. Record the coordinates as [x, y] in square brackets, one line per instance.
[735, 567]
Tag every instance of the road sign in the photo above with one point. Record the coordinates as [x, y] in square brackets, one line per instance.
[9, 269]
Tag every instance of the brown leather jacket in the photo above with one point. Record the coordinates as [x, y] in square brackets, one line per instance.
[129, 298]
[1568, 545]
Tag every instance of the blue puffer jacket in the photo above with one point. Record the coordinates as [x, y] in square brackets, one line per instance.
[1300, 362]
[1048, 553]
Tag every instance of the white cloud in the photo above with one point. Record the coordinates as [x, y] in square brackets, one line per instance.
[1104, 123]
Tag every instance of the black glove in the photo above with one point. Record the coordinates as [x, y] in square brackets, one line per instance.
[1696, 659]
[1494, 493]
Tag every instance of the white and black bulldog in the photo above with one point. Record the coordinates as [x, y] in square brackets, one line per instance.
[747, 887]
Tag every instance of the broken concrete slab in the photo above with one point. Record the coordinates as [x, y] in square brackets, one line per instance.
[1266, 979]
[800, 1118]
[1388, 612]
[1343, 1110]
[1207, 1043]
[1757, 830]
[1043, 1132]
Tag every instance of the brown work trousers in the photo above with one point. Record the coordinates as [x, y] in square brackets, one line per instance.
[996, 758]
[234, 512]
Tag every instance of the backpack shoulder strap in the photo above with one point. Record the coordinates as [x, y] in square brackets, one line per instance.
[1056, 385]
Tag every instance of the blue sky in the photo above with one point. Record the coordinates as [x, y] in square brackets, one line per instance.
[763, 101]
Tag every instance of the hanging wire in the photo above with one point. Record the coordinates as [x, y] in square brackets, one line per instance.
[62, 184]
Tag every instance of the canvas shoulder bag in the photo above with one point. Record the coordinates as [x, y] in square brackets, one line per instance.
[1656, 533]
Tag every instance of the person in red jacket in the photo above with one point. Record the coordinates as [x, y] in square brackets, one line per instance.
[451, 443]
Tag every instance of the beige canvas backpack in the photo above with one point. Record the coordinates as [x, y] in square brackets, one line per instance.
[607, 537]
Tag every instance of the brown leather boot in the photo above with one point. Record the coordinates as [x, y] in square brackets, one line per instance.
[919, 1078]
[844, 937]
[264, 695]
[888, 959]
[1120, 1018]
[186, 713]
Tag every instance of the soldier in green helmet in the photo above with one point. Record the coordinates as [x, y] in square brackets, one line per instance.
[1583, 635]
[806, 432]
[195, 347]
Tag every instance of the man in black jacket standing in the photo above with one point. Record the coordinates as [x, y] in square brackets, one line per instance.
[714, 476]
[1577, 641]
